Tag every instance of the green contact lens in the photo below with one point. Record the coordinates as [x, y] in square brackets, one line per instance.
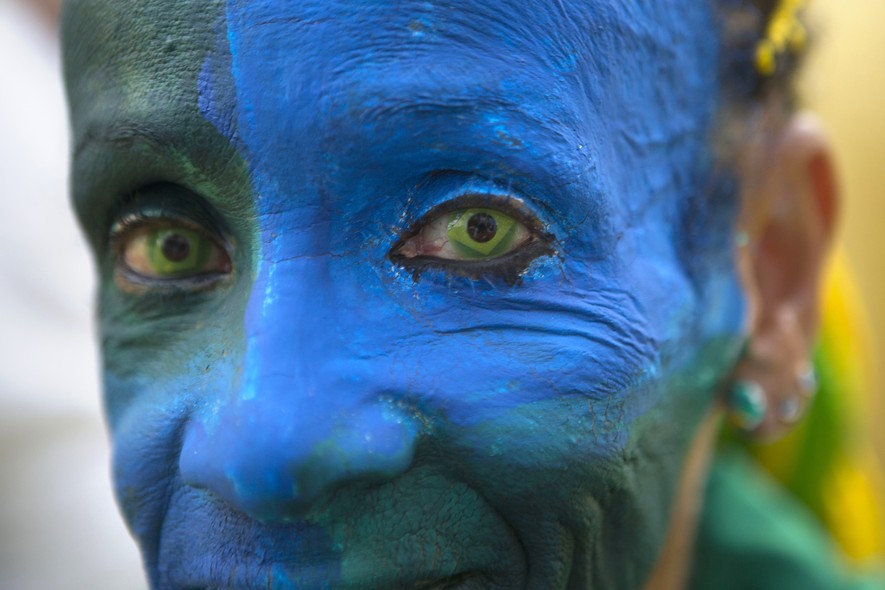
[477, 234]
[176, 252]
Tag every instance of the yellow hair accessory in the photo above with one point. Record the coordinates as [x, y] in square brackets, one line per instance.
[785, 31]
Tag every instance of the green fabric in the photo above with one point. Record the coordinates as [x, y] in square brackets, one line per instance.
[754, 536]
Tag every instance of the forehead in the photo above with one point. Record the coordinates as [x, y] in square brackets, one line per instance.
[154, 47]
[543, 28]
[618, 80]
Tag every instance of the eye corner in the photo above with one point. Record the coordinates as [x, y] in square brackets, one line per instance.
[132, 283]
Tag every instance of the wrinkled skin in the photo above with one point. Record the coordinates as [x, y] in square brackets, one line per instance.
[328, 415]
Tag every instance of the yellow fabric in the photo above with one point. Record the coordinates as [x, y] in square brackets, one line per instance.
[828, 461]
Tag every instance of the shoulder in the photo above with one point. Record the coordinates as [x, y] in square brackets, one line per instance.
[754, 535]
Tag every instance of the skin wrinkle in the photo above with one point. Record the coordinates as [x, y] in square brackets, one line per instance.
[475, 25]
[121, 136]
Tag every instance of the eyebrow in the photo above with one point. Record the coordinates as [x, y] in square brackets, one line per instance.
[128, 152]
[123, 135]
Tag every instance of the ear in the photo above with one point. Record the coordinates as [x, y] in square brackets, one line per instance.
[789, 211]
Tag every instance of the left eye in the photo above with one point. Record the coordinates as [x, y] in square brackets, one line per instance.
[171, 252]
[467, 234]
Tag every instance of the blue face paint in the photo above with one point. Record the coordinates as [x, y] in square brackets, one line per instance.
[333, 415]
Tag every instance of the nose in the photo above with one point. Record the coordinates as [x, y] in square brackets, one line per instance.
[273, 461]
[311, 414]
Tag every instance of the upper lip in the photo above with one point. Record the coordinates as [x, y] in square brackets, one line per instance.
[449, 583]
[207, 545]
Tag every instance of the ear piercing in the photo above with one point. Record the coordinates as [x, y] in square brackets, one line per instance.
[747, 404]
[806, 378]
[790, 410]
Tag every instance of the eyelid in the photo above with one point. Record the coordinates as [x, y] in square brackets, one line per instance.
[163, 204]
[136, 220]
[168, 202]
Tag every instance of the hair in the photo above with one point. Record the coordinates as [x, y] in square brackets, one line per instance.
[747, 28]
[758, 96]
[753, 105]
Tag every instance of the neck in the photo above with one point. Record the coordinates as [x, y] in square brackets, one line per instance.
[673, 566]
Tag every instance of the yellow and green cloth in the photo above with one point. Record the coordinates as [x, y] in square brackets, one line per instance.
[812, 516]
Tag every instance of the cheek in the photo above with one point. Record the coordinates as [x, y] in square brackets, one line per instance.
[567, 331]
[481, 352]
[590, 387]
[155, 378]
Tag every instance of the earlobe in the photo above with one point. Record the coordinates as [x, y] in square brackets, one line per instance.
[789, 217]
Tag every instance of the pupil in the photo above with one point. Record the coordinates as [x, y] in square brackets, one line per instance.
[481, 227]
[176, 247]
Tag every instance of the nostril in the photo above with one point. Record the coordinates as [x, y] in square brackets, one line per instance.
[275, 470]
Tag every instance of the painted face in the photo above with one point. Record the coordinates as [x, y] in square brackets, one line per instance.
[402, 295]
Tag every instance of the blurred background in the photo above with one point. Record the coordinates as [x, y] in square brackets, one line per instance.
[59, 528]
[845, 84]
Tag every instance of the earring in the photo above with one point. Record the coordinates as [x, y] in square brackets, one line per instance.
[806, 379]
[793, 406]
[766, 400]
[747, 404]
[790, 410]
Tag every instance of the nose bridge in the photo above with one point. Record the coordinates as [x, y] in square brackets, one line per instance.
[290, 318]
[307, 415]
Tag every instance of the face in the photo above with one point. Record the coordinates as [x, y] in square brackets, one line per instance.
[402, 295]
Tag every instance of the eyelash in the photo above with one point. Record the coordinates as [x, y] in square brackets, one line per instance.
[508, 267]
[131, 222]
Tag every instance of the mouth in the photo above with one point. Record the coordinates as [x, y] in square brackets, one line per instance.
[463, 581]
[208, 546]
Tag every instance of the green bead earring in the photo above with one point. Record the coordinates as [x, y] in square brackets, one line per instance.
[747, 404]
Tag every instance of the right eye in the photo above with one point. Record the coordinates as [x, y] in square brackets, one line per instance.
[160, 250]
